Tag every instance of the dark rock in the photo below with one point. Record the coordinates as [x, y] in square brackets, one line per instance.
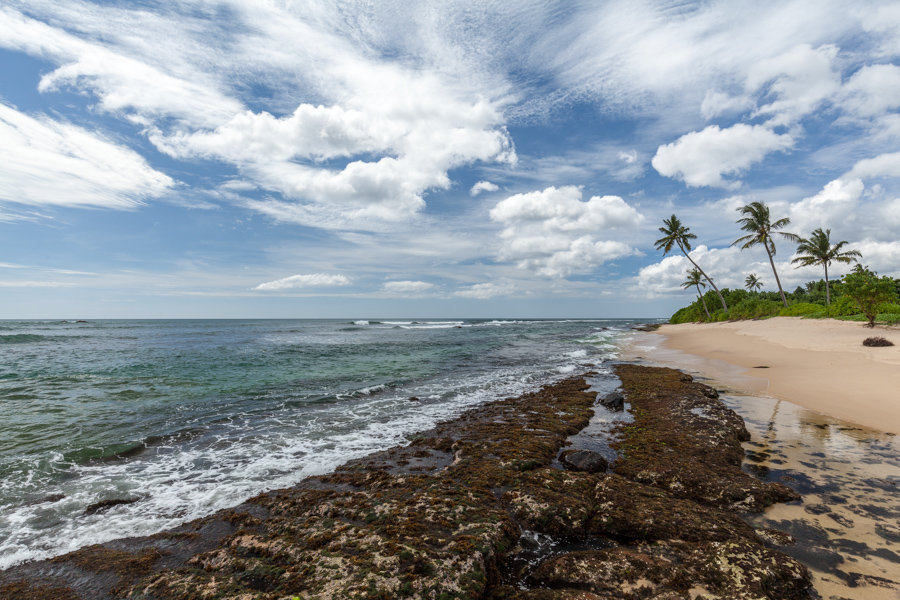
[614, 401]
[414, 399]
[107, 504]
[443, 516]
[583, 460]
[710, 392]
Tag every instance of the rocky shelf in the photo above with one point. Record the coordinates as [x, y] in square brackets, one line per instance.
[481, 507]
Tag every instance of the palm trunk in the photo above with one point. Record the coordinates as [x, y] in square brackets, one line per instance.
[827, 291]
[778, 281]
[705, 276]
[703, 300]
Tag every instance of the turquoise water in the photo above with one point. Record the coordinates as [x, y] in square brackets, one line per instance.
[186, 417]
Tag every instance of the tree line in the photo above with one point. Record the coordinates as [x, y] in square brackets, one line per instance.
[863, 286]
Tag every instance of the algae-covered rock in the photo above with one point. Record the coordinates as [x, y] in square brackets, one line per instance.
[443, 517]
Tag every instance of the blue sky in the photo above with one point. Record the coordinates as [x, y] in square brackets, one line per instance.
[237, 158]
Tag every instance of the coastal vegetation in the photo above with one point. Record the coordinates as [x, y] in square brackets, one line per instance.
[859, 296]
[879, 296]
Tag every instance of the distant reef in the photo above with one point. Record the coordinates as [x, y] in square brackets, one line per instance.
[482, 507]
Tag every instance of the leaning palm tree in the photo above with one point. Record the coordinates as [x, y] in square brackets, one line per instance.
[817, 250]
[695, 279]
[752, 283]
[676, 234]
[760, 231]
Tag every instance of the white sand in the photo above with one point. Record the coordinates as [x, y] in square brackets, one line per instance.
[819, 364]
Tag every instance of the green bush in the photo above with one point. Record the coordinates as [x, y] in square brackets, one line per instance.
[753, 308]
[842, 307]
[890, 318]
[869, 291]
[889, 308]
[801, 309]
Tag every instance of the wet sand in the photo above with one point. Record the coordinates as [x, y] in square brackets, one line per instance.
[819, 364]
[846, 526]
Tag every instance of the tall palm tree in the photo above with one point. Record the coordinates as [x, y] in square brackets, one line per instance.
[695, 279]
[676, 234]
[760, 230]
[752, 283]
[817, 250]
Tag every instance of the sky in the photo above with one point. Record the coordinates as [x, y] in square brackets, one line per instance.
[489, 158]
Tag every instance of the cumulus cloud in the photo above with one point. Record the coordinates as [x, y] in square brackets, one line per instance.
[883, 257]
[552, 231]
[483, 186]
[55, 163]
[701, 158]
[728, 267]
[835, 205]
[380, 134]
[485, 291]
[883, 165]
[304, 281]
[408, 288]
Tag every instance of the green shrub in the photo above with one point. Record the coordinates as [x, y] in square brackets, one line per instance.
[801, 309]
[869, 291]
[889, 308]
[889, 318]
[842, 307]
[753, 308]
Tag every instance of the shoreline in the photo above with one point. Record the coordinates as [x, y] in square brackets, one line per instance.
[820, 365]
[502, 503]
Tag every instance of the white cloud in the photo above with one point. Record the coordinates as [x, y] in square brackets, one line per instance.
[392, 130]
[34, 284]
[122, 82]
[303, 281]
[729, 267]
[799, 80]
[485, 291]
[483, 186]
[408, 288]
[883, 165]
[882, 257]
[719, 103]
[701, 158]
[552, 231]
[872, 90]
[835, 206]
[53, 163]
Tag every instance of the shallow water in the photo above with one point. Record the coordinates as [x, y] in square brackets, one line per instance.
[187, 417]
[847, 528]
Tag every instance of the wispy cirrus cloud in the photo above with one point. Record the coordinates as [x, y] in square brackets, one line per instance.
[48, 162]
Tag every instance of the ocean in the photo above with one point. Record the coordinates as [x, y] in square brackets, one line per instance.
[181, 418]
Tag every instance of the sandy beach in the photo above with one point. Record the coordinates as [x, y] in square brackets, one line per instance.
[818, 364]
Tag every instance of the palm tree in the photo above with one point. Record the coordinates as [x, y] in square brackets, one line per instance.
[761, 229]
[752, 283]
[817, 250]
[676, 234]
[695, 279]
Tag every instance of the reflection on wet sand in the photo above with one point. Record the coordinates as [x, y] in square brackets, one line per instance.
[846, 528]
